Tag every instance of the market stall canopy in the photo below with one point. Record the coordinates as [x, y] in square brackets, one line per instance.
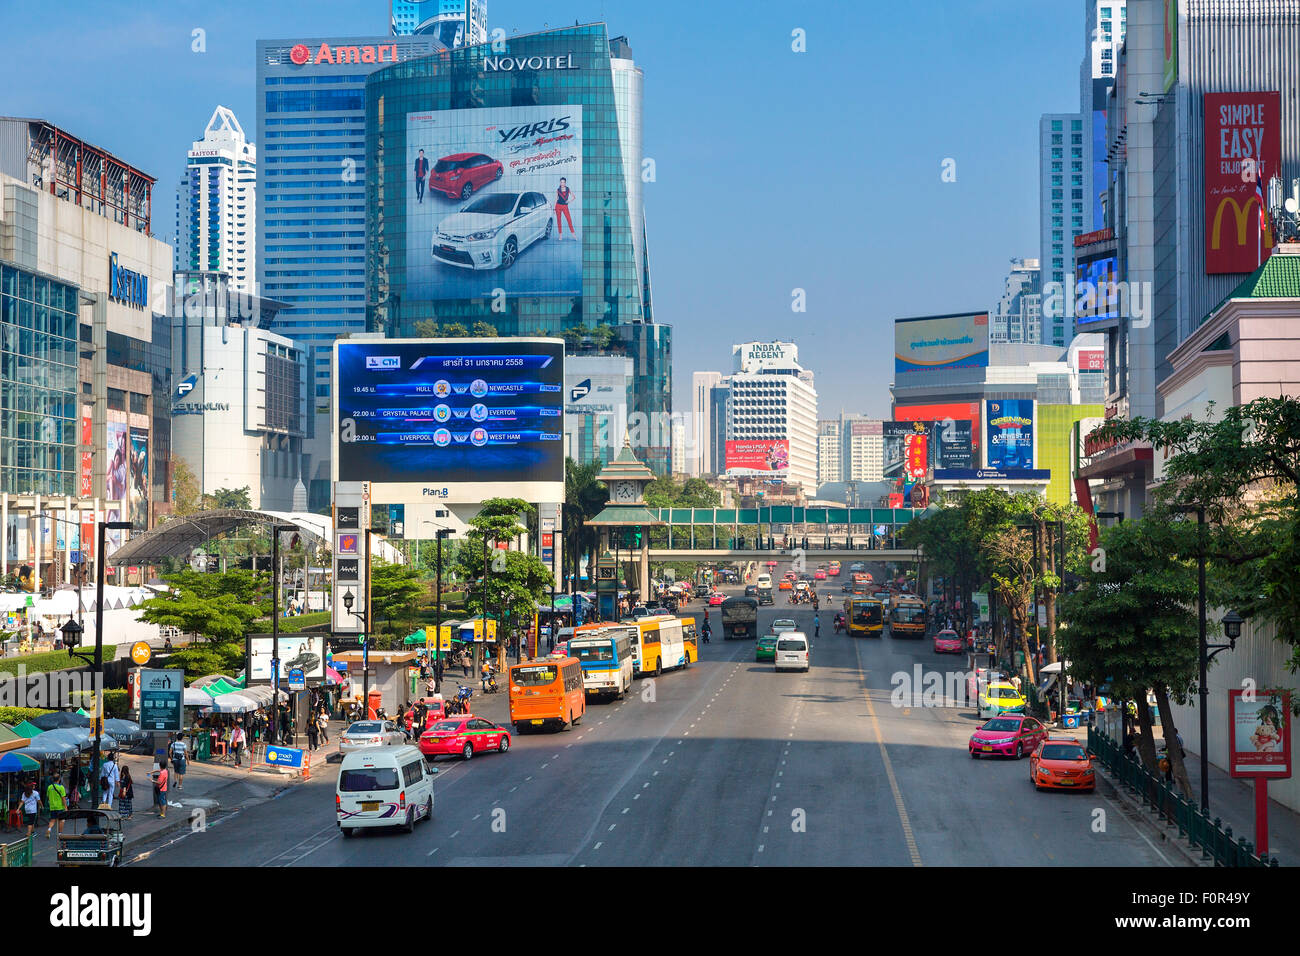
[194, 697]
[27, 729]
[17, 763]
[59, 719]
[1053, 668]
[11, 740]
[45, 747]
[418, 637]
[211, 679]
[233, 704]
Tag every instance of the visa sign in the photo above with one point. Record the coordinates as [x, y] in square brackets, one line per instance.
[125, 286]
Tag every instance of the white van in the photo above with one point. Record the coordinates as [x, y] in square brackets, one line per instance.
[383, 787]
[792, 651]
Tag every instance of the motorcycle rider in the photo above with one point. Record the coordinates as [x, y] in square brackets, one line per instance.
[707, 631]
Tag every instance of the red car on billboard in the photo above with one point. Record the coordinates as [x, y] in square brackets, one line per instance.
[457, 176]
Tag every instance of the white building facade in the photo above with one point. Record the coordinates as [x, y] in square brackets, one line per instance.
[772, 399]
[216, 204]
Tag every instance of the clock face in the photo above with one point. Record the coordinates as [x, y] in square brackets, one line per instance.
[625, 491]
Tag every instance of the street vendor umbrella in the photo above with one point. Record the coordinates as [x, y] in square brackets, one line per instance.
[14, 762]
[233, 704]
[45, 747]
[210, 679]
[60, 719]
[332, 676]
[121, 728]
[27, 729]
[418, 637]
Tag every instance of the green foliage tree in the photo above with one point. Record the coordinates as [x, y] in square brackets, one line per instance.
[483, 330]
[584, 497]
[426, 329]
[516, 581]
[454, 330]
[394, 591]
[232, 498]
[186, 499]
[218, 607]
[1132, 623]
[204, 659]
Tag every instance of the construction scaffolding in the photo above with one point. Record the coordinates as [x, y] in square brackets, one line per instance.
[73, 169]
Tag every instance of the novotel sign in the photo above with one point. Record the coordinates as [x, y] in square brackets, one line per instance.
[125, 286]
[508, 64]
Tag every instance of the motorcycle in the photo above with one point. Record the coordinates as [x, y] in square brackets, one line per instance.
[491, 687]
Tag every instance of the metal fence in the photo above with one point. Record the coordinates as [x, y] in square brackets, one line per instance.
[1213, 837]
[18, 853]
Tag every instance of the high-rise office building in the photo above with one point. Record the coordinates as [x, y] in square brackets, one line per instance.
[862, 448]
[1017, 316]
[455, 23]
[1061, 214]
[311, 203]
[1106, 26]
[828, 451]
[540, 143]
[702, 385]
[772, 401]
[216, 203]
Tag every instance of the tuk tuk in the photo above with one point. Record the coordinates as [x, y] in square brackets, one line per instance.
[91, 838]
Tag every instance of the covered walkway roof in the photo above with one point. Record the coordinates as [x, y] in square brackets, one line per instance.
[180, 535]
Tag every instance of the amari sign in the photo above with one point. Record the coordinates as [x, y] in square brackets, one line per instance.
[129, 288]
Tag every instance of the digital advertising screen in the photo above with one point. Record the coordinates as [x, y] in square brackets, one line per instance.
[956, 434]
[1010, 436]
[936, 342]
[451, 419]
[494, 202]
[1096, 284]
[758, 457]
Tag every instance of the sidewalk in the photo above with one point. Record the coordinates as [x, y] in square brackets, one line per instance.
[207, 787]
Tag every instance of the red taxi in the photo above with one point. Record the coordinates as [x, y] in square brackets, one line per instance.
[819, 574]
[716, 598]
[465, 735]
[1007, 735]
[1061, 763]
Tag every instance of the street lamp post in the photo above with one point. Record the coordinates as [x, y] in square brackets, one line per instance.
[274, 735]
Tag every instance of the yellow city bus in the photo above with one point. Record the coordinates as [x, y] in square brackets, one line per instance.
[907, 618]
[657, 645]
[864, 617]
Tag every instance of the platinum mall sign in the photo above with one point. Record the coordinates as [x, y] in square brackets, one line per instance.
[509, 64]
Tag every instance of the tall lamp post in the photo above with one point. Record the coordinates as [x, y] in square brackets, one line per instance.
[348, 600]
[1206, 651]
[72, 632]
[439, 533]
[276, 530]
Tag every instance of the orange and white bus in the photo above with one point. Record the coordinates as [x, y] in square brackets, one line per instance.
[547, 692]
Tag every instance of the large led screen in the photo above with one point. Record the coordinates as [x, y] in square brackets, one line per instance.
[1010, 437]
[933, 342]
[494, 202]
[1096, 285]
[451, 417]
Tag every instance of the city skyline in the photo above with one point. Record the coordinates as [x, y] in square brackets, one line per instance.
[694, 182]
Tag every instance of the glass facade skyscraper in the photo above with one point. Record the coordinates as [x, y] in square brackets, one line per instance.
[311, 202]
[505, 188]
[454, 22]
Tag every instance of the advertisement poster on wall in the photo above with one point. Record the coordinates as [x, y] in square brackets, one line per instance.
[959, 448]
[1096, 287]
[933, 342]
[87, 456]
[1010, 435]
[119, 453]
[1241, 130]
[760, 457]
[140, 478]
[297, 652]
[494, 202]
[1259, 734]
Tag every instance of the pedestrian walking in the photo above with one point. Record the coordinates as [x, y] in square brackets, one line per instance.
[160, 780]
[313, 735]
[817, 625]
[30, 801]
[110, 772]
[324, 724]
[237, 743]
[464, 660]
[56, 799]
[126, 795]
[180, 753]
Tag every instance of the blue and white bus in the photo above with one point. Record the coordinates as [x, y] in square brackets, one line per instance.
[606, 657]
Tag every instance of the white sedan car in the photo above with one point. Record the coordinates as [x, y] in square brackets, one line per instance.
[370, 733]
[489, 232]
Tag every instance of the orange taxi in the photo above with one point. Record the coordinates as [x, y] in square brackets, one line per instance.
[1062, 763]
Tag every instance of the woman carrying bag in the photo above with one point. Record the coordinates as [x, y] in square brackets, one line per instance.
[126, 795]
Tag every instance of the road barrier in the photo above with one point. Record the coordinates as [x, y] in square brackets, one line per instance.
[1213, 837]
[16, 854]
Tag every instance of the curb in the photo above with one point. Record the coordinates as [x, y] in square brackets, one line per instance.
[182, 819]
[1144, 816]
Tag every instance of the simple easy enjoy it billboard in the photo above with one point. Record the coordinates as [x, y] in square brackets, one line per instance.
[494, 201]
[1243, 151]
[451, 420]
[932, 342]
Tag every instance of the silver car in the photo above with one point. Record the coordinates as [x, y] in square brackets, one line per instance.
[370, 733]
[490, 231]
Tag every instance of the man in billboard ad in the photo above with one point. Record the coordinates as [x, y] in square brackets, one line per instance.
[1243, 151]
[502, 185]
[450, 411]
[765, 457]
[297, 652]
[935, 342]
[1010, 437]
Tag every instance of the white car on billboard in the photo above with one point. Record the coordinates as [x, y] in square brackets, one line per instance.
[490, 232]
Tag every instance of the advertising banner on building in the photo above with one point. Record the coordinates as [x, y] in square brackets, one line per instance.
[936, 342]
[1259, 733]
[1096, 285]
[954, 434]
[297, 652]
[1243, 151]
[119, 454]
[446, 418]
[139, 508]
[1169, 69]
[1010, 434]
[87, 454]
[760, 457]
[494, 202]
[1091, 360]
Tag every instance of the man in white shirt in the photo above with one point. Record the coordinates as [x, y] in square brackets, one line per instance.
[110, 772]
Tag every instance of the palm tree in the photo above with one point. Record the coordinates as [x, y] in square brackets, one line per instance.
[584, 497]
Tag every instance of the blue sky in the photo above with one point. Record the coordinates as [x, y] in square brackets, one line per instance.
[775, 170]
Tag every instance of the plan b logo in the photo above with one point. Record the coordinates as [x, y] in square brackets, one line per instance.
[383, 363]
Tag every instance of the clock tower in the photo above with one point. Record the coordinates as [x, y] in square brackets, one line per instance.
[624, 524]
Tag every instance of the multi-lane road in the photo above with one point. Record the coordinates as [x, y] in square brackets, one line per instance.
[726, 763]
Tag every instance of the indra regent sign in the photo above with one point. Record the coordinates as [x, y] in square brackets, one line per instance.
[125, 286]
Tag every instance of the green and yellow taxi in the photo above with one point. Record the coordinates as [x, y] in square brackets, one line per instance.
[1000, 698]
[765, 648]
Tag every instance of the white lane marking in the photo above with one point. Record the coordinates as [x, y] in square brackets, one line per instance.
[432, 852]
[626, 809]
[612, 825]
[545, 765]
[476, 816]
[513, 789]
[454, 835]
[597, 846]
[766, 828]
[526, 779]
[636, 796]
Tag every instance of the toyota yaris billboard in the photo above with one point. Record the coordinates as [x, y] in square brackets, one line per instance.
[494, 202]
